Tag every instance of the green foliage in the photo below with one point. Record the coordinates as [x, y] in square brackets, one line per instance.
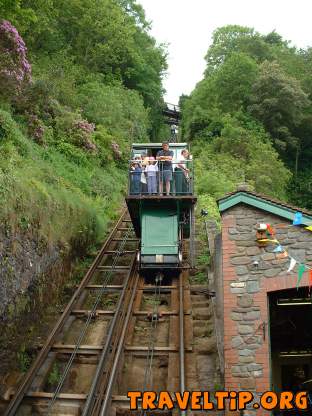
[24, 359]
[54, 375]
[251, 115]
[239, 154]
[234, 81]
[234, 38]
[95, 89]
[74, 42]
[203, 259]
[49, 186]
[199, 278]
[208, 202]
[300, 189]
[121, 111]
[278, 102]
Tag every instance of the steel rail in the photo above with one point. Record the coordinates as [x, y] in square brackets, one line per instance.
[115, 343]
[107, 397]
[83, 332]
[148, 376]
[25, 385]
[99, 371]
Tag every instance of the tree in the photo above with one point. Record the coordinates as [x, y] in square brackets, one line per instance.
[274, 38]
[278, 102]
[105, 40]
[120, 110]
[136, 11]
[234, 81]
[234, 38]
[198, 110]
[239, 154]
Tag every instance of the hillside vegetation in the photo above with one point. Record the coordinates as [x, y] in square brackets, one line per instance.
[79, 82]
[250, 118]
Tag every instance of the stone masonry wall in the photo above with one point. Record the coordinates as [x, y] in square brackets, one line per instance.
[23, 259]
[245, 289]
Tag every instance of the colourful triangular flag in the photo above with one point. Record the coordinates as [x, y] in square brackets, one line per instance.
[292, 264]
[297, 218]
[282, 255]
[270, 229]
[300, 273]
[278, 249]
[309, 228]
[267, 240]
[310, 280]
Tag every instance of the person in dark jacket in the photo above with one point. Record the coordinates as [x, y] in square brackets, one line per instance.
[136, 172]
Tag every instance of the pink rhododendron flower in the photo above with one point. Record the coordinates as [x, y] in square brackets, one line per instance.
[14, 66]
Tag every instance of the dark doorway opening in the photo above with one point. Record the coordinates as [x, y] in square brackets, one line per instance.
[291, 343]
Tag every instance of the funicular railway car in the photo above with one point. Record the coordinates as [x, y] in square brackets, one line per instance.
[162, 214]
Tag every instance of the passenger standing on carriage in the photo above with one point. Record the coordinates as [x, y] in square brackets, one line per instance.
[181, 174]
[136, 172]
[165, 157]
[144, 164]
[151, 171]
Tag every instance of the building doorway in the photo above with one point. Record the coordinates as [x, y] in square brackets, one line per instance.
[291, 342]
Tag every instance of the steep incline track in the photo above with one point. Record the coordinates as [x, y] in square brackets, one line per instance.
[119, 332]
[67, 373]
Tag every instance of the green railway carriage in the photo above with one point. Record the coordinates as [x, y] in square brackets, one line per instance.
[162, 222]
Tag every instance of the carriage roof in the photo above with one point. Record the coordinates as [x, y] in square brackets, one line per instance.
[158, 145]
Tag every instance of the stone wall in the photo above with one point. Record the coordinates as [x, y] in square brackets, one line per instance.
[245, 290]
[23, 259]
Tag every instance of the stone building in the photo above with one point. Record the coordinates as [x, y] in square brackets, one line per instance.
[267, 320]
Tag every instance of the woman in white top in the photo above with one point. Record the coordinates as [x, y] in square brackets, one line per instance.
[182, 163]
[151, 171]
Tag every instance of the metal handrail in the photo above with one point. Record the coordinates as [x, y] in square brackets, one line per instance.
[141, 183]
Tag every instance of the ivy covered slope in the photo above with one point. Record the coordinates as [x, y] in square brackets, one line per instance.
[80, 80]
[250, 118]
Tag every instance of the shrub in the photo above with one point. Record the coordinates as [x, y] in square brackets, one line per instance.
[15, 69]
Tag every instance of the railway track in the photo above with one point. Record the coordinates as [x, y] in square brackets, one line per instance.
[119, 332]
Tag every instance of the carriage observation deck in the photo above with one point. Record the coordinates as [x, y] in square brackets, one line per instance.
[156, 179]
[147, 187]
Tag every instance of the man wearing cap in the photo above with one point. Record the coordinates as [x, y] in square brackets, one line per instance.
[165, 157]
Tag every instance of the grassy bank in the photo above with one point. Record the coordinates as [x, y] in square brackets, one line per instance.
[63, 196]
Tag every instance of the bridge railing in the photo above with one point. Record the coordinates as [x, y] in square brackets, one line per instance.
[150, 177]
[172, 107]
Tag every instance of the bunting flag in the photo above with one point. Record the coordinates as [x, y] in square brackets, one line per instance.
[278, 249]
[310, 280]
[300, 273]
[270, 229]
[293, 263]
[267, 240]
[282, 255]
[297, 218]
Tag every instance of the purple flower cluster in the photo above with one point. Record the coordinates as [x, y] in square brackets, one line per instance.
[85, 126]
[116, 151]
[90, 146]
[36, 129]
[13, 61]
[84, 129]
